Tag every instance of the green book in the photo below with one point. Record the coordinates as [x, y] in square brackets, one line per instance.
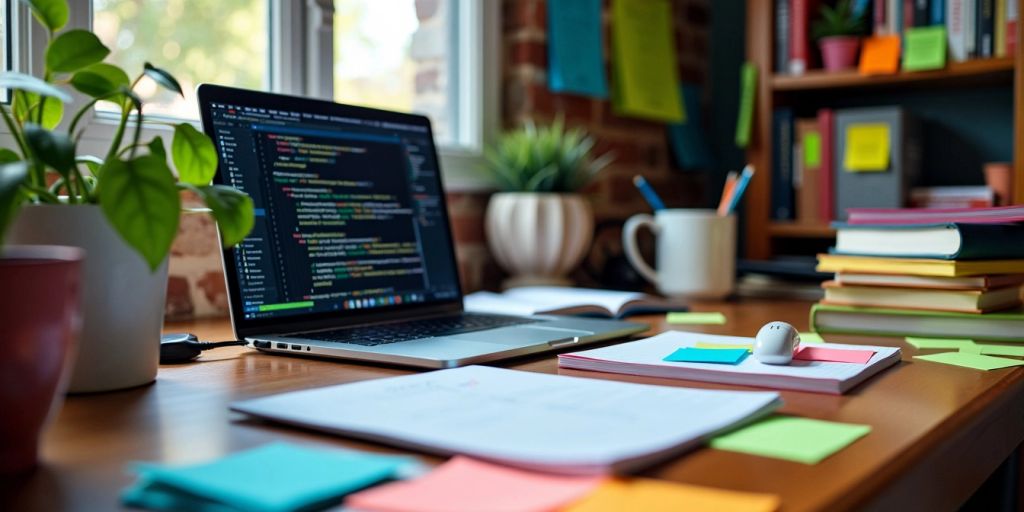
[1002, 326]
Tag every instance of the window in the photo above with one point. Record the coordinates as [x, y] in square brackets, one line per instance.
[219, 41]
[5, 42]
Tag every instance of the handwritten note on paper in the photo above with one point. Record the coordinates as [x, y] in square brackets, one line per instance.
[925, 48]
[880, 55]
[645, 66]
[968, 360]
[938, 343]
[867, 147]
[469, 485]
[708, 355]
[803, 440]
[575, 59]
[725, 346]
[657, 495]
[695, 318]
[834, 355]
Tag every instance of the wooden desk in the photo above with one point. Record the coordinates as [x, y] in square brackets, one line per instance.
[938, 431]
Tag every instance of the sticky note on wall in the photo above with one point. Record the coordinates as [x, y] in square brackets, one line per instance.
[644, 61]
[867, 148]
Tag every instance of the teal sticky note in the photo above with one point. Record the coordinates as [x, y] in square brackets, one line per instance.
[272, 478]
[803, 440]
[575, 57]
[707, 355]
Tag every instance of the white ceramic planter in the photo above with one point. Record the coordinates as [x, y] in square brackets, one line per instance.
[538, 238]
[122, 301]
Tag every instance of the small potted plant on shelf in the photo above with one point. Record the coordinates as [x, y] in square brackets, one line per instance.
[538, 227]
[122, 207]
[838, 34]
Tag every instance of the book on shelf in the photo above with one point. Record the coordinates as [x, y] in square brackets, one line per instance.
[782, 36]
[800, 48]
[826, 178]
[881, 216]
[985, 28]
[952, 197]
[947, 241]
[956, 29]
[999, 29]
[980, 283]
[782, 203]
[559, 300]
[966, 301]
[807, 157]
[1011, 27]
[917, 266]
[999, 326]
[922, 13]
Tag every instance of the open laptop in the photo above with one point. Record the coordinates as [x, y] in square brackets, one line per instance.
[351, 255]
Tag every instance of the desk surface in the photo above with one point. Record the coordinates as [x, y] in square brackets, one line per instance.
[938, 431]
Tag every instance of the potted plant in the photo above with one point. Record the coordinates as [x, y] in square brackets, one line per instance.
[838, 33]
[121, 207]
[538, 227]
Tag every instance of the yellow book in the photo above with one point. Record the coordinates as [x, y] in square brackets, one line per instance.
[918, 267]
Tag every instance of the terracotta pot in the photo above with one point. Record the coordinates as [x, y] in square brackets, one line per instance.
[40, 314]
[538, 238]
[839, 52]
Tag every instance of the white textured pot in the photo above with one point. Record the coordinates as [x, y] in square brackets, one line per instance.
[538, 238]
[122, 300]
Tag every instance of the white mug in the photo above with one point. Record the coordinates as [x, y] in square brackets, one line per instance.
[695, 252]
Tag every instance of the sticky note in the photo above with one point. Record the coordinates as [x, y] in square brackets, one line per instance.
[968, 360]
[725, 346]
[707, 355]
[660, 496]
[1000, 350]
[867, 147]
[925, 48]
[880, 55]
[644, 63]
[803, 440]
[811, 337]
[972, 349]
[748, 94]
[465, 484]
[938, 343]
[834, 355]
[298, 477]
[812, 149]
[575, 57]
[695, 318]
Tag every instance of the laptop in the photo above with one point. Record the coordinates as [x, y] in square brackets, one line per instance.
[351, 255]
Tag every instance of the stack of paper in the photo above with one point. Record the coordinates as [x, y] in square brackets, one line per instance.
[646, 357]
[563, 300]
[546, 422]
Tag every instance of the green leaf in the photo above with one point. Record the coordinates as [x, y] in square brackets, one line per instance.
[7, 156]
[163, 78]
[92, 163]
[99, 80]
[28, 83]
[12, 175]
[52, 14]
[232, 209]
[156, 147]
[26, 104]
[193, 154]
[74, 50]
[54, 149]
[141, 202]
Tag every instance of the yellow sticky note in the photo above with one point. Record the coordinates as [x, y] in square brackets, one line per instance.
[644, 63]
[880, 55]
[658, 496]
[725, 346]
[867, 147]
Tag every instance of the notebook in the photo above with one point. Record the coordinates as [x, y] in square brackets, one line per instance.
[535, 421]
[917, 266]
[944, 241]
[559, 300]
[998, 326]
[932, 215]
[967, 301]
[981, 283]
[645, 358]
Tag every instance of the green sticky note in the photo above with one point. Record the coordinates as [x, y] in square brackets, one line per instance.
[1000, 350]
[275, 477]
[695, 318]
[811, 337]
[812, 149]
[724, 346]
[644, 63]
[707, 355]
[968, 360]
[938, 343]
[971, 349]
[748, 94]
[802, 440]
[924, 48]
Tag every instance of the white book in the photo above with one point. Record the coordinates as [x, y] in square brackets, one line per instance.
[971, 28]
[645, 357]
[559, 300]
[956, 29]
[537, 421]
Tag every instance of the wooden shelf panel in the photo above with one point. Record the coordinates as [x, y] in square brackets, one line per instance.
[977, 71]
[797, 230]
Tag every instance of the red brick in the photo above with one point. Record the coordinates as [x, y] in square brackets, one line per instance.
[213, 288]
[179, 298]
[529, 52]
[468, 229]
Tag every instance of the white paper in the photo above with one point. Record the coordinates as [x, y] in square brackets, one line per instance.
[551, 422]
[529, 300]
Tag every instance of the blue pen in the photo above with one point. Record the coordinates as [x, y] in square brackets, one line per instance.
[649, 194]
[741, 187]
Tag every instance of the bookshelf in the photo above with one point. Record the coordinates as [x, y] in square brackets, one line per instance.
[762, 233]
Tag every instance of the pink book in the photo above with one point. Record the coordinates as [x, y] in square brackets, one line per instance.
[883, 216]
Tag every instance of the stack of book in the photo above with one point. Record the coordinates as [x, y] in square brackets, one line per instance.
[924, 272]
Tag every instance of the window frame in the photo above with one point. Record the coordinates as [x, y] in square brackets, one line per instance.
[301, 62]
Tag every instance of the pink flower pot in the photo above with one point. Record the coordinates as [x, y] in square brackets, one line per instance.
[839, 52]
[40, 314]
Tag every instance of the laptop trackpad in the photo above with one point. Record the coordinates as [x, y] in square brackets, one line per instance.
[522, 335]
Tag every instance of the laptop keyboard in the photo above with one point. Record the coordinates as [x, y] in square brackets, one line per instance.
[371, 336]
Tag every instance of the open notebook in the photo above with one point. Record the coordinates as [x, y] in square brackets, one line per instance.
[558, 300]
[645, 357]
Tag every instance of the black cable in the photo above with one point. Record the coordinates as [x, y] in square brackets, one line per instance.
[182, 348]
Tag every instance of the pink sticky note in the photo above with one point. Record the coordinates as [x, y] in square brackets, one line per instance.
[835, 355]
[464, 484]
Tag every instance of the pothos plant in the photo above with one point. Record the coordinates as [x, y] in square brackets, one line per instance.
[132, 182]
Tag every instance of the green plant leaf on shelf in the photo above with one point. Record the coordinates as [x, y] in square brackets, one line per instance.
[165, 79]
[156, 147]
[26, 104]
[53, 14]
[74, 50]
[232, 209]
[100, 79]
[12, 175]
[28, 83]
[140, 200]
[7, 156]
[194, 155]
[54, 149]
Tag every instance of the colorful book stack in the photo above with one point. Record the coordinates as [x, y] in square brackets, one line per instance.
[953, 273]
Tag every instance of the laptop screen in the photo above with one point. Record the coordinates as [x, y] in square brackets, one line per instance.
[350, 214]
